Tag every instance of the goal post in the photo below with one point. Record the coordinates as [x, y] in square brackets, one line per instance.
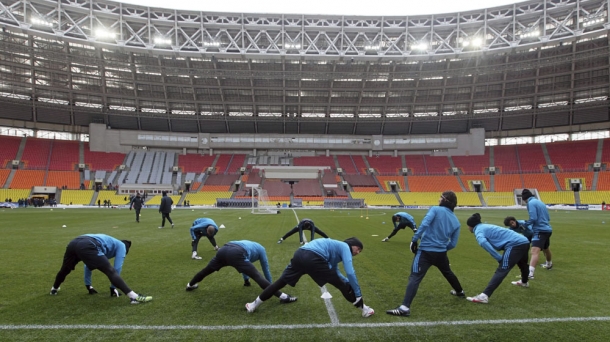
[261, 203]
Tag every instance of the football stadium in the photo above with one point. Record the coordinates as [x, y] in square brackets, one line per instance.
[259, 120]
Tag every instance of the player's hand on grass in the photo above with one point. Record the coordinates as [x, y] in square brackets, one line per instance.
[90, 289]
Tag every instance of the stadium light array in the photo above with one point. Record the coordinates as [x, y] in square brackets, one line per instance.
[592, 21]
[419, 46]
[211, 44]
[292, 46]
[104, 34]
[531, 33]
[40, 22]
[474, 42]
[372, 47]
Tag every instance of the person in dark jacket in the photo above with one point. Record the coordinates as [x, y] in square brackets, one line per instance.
[305, 224]
[165, 209]
[136, 203]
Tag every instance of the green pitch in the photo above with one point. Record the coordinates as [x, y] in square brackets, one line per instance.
[569, 302]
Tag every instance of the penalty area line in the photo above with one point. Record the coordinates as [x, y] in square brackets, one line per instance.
[297, 326]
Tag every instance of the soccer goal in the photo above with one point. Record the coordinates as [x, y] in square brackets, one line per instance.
[261, 203]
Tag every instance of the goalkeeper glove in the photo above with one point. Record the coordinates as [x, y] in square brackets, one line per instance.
[359, 302]
[114, 292]
[413, 247]
[90, 289]
[246, 282]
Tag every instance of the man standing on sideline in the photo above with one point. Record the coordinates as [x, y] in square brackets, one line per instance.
[495, 238]
[539, 221]
[319, 259]
[165, 209]
[241, 255]
[305, 224]
[136, 203]
[518, 226]
[401, 220]
[94, 250]
[439, 232]
[203, 227]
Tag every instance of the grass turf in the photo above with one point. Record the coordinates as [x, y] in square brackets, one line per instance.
[159, 264]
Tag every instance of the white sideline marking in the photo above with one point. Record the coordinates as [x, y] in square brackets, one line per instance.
[334, 319]
[297, 326]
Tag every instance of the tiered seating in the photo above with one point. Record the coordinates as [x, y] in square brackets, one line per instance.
[499, 199]
[314, 161]
[505, 159]
[71, 179]
[386, 165]
[361, 180]
[113, 197]
[435, 184]
[222, 163]
[469, 199]
[76, 197]
[25, 179]
[8, 152]
[467, 181]
[276, 188]
[330, 177]
[253, 177]
[207, 197]
[586, 197]
[603, 181]
[531, 158]
[421, 198]
[157, 199]
[14, 194]
[312, 201]
[504, 182]
[3, 176]
[64, 156]
[36, 153]
[573, 155]
[348, 165]
[365, 188]
[416, 164]
[540, 181]
[221, 179]
[307, 188]
[586, 180]
[195, 162]
[235, 164]
[223, 188]
[360, 164]
[437, 165]
[385, 182]
[371, 198]
[107, 161]
[472, 165]
[557, 197]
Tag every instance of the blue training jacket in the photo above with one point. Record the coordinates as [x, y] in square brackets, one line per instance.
[110, 248]
[255, 252]
[495, 238]
[539, 216]
[404, 217]
[524, 229]
[335, 251]
[439, 230]
[201, 224]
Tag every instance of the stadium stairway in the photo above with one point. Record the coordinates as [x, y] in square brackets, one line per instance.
[9, 179]
[577, 197]
[399, 199]
[22, 148]
[182, 198]
[547, 158]
[406, 182]
[459, 180]
[482, 199]
[492, 185]
[94, 198]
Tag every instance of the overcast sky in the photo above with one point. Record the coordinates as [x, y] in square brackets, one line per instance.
[351, 7]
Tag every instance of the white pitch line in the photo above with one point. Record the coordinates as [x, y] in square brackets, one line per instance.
[334, 319]
[299, 326]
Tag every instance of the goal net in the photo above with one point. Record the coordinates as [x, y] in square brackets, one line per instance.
[261, 203]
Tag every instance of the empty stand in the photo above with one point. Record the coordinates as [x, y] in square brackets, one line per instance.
[505, 159]
[107, 161]
[276, 188]
[386, 165]
[71, 179]
[573, 155]
[557, 197]
[206, 197]
[314, 161]
[468, 179]
[437, 165]
[436, 184]
[531, 158]
[113, 197]
[507, 182]
[603, 181]
[221, 179]
[416, 164]
[468, 199]
[588, 197]
[586, 180]
[472, 165]
[499, 199]
[3, 176]
[73, 197]
[540, 181]
[307, 188]
[606, 152]
[26, 179]
[195, 162]
[347, 164]
[64, 155]
[385, 182]
[361, 180]
[359, 163]
[223, 162]
[421, 198]
[36, 153]
[236, 163]
[14, 194]
[8, 152]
